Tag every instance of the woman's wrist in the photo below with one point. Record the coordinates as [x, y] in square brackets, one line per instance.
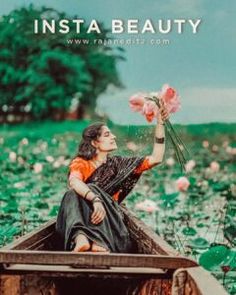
[159, 140]
[92, 197]
[86, 194]
[96, 199]
[89, 195]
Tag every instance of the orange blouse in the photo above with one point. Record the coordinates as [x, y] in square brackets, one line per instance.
[82, 169]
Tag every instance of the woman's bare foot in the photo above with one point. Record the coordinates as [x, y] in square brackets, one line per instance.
[81, 243]
[97, 248]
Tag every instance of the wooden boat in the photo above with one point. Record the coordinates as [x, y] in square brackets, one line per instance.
[32, 265]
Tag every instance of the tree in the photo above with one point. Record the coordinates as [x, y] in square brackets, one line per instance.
[43, 71]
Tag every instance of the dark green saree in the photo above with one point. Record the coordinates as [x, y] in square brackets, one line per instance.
[117, 174]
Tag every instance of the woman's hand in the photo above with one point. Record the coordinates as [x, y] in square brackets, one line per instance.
[163, 114]
[98, 212]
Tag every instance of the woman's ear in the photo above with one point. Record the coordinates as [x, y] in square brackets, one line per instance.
[94, 143]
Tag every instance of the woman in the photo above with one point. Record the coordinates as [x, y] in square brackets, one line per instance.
[89, 218]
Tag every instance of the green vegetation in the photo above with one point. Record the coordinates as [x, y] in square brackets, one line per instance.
[194, 219]
[41, 73]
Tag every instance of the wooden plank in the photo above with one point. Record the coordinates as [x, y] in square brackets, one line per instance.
[27, 241]
[94, 259]
[205, 282]
[33, 244]
[148, 241]
[29, 268]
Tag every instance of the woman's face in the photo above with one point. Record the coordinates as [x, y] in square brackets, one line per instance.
[107, 141]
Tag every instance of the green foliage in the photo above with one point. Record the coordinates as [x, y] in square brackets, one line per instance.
[43, 72]
[192, 221]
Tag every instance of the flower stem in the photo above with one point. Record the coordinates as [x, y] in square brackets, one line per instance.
[177, 143]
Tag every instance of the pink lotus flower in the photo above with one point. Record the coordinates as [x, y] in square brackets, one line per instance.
[215, 166]
[150, 104]
[215, 148]
[38, 167]
[147, 206]
[171, 98]
[182, 184]
[205, 144]
[231, 151]
[19, 184]
[150, 110]
[170, 162]
[12, 156]
[56, 164]
[190, 165]
[50, 159]
[24, 141]
[136, 102]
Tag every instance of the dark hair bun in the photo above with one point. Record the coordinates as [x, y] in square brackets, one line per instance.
[86, 150]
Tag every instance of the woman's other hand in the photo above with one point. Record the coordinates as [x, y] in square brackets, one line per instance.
[98, 213]
[163, 114]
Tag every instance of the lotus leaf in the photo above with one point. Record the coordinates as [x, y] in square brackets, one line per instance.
[199, 243]
[189, 231]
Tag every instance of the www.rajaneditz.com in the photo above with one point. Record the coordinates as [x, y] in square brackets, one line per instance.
[120, 41]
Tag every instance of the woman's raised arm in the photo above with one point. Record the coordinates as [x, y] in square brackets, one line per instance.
[159, 139]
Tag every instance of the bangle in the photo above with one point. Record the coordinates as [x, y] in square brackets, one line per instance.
[160, 140]
[85, 196]
[96, 199]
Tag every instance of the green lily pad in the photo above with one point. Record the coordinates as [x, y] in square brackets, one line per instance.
[230, 233]
[41, 205]
[231, 210]
[194, 196]
[169, 200]
[215, 257]
[189, 231]
[232, 261]
[199, 243]
[219, 187]
[9, 231]
[200, 225]
[169, 197]
[54, 210]
[232, 289]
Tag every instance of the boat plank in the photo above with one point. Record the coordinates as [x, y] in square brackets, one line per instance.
[94, 259]
[150, 268]
[27, 241]
[148, 241]
[64, 270]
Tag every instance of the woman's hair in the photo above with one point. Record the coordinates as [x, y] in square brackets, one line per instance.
[86, 150]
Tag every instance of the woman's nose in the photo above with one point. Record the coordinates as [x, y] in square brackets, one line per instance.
[113, 136]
